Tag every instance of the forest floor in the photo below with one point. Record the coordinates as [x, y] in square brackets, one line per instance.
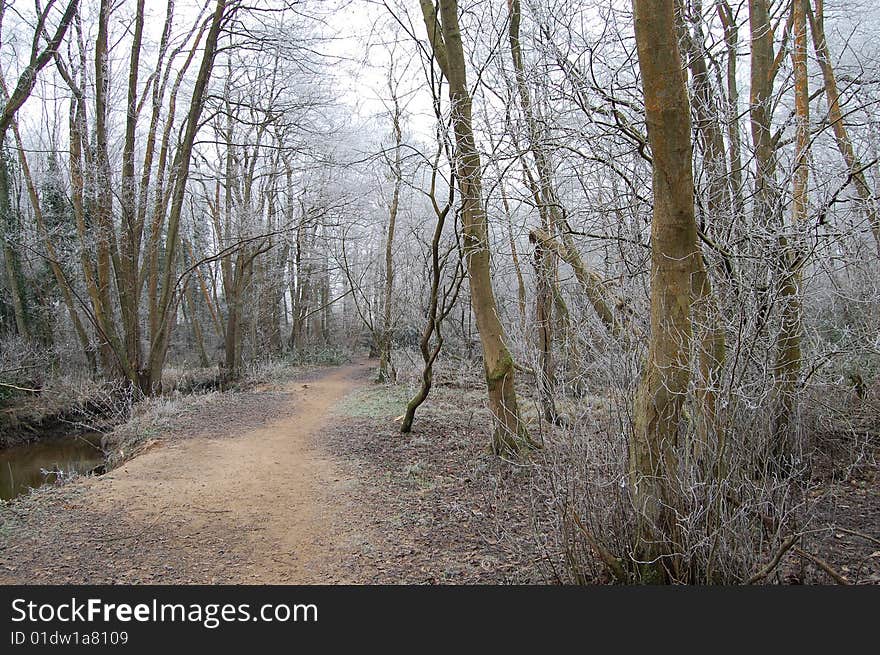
[308, 480]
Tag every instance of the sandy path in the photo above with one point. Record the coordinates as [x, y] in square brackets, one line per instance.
[268, 503]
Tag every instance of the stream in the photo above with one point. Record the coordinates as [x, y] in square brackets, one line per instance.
[48, 461]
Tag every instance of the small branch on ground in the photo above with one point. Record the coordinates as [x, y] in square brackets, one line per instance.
[773, 563]
[822, 564]
[857, 534]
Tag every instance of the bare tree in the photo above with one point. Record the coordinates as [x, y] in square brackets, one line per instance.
[510, 435]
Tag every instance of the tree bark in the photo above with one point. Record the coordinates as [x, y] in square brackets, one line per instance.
[706, 320]
[105, 241]
[731, 40]
[127, 261]
[763, 73]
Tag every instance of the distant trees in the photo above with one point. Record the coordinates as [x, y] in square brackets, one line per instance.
[789, 348]
[836, 119]
[140, 235]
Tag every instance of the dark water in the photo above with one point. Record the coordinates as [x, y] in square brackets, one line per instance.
[23, 467]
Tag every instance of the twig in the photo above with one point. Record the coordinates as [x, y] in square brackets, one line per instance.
[610, 560]
[822, 564]
[12, 386]
[773, 563]
[858, 534]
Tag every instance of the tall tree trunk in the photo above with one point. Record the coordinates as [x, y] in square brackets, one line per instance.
[510, 435]
[520, 282]
[232, 346]
[763, 73]
[106, 248]
[325, 313]
[655, 443]
[788, 357]
[301, 296]
[542, 188]
[549, 209]
[79, 162]
[714, 161]
[544, 325]
[707, 323]
[276, 293]
[127, 263]
[731, 41]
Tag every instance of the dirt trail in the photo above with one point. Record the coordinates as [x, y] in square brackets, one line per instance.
[267, 506]
[271, 485]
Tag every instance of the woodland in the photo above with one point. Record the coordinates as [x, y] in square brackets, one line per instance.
[640, 239]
